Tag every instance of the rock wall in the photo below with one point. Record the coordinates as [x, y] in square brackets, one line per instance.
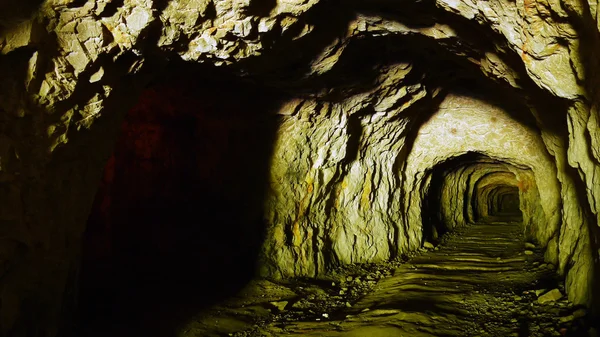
[363, 82]
[334, 185]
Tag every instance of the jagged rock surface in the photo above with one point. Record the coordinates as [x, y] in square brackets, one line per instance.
[362, 83]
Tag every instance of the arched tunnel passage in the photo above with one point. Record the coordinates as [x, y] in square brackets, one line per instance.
[507, 202]
[504, 201]
[487, 205]
[475, 188]
[489, 193]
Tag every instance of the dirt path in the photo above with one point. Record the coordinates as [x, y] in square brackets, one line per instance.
[481, 282]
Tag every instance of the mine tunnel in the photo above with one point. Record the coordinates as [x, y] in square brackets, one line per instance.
[490, 193]
[299, 168]
[178, 226]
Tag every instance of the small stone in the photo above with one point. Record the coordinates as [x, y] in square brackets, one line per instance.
[550, 296]
[428, 245]
[298, 305]
[528, 252]
[280, 305]
[326, 315]
[567, 319]
[97, 76]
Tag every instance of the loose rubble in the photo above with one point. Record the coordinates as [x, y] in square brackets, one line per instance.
[509, 295]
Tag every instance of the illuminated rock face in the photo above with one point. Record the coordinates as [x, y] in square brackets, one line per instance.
[354, 160]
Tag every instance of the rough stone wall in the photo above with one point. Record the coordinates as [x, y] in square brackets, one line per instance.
[69, 70]
[334, 183]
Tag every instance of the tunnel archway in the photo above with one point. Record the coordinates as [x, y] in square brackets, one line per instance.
[489, 192]
[468, 140]
[507, 201]
[474, 188]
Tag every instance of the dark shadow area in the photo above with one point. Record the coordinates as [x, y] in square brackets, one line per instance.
[261, 8]
[177, 225]
[523, 327]
[509, 202]
[433, 227]
[433, 224]
[14, 12]
[498, 201]
[506, 203]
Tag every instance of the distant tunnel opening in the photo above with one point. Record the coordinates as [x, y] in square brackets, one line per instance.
[497, 198]
[475, 188]
[505, 202]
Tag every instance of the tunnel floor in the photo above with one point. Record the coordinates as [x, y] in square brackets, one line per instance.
[482, 280]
